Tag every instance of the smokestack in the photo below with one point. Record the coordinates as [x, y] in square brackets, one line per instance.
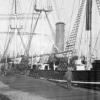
[88, 14]
[59, 40]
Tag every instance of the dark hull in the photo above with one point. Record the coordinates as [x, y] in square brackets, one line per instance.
[87, 76]
[84, 76]
[92, 75]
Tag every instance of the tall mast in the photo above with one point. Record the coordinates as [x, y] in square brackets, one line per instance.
[15, 7]
[44, 8]
[89, 30]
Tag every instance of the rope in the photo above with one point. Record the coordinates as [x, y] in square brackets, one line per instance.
[31, 36]
[98, 5]
[26, 15]
[70, 44]
[5, 51]
[8, 43]
[71, 17]
[80, 41]
[57, 13]
[19, 6]
[22, 40]
[51, 31]
[49, 24]
[97, 38]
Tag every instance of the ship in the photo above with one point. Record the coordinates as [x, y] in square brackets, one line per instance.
[65, 47]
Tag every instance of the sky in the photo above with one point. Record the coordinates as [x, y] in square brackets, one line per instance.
[41, 43]
[63, 10]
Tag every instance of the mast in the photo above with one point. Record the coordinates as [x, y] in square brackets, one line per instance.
[15, 7]
[43, 9]
[89, 30]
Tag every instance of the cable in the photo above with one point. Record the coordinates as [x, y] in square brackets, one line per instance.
[49, 24]
[80, 41]
[31, 36]
[70, 44]
[18, 31]
[26, 22]
[56, 9]
[96, 40]
[71, 17]
[22, 41]
[10, 38]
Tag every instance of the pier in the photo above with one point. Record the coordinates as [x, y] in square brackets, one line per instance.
[22, 87]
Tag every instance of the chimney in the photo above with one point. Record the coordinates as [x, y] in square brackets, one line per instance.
[59, 39]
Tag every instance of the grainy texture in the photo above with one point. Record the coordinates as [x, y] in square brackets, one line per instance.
[27, 88]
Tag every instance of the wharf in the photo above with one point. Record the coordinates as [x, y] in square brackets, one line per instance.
[22, 87]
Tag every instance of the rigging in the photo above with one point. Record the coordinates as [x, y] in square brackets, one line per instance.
[70, 44]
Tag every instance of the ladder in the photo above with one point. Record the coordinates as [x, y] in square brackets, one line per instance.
[70, 44]
[98, 5]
